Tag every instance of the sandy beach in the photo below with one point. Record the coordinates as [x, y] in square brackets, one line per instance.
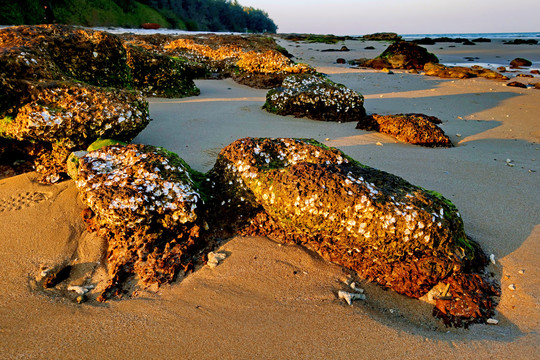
[272, 301]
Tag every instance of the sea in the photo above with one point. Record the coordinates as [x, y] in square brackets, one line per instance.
[470, 36]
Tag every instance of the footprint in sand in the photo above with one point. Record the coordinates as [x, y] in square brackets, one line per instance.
[22, 201]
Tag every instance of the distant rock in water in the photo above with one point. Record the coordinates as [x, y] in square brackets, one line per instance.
[518, 62]
[521, 42]
[384, 36]
[417, 129]
[315, 97]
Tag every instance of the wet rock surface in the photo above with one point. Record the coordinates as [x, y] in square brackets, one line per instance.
[402, 55]
[389, 231]
[315, 97]
[417, 129]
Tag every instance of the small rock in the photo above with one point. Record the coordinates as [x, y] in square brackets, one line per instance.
[215, 258]
[350, 297]
[356, 288]
[458, 135]
[492, 259]
[379, 143]
[492, 321]
[81, 299]
[522, 271]
[512, 287]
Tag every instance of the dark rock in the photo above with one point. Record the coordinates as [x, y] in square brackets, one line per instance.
[369, 48]
[417, 129]
[516, 84]
[377, 224]
[536, 85]
[424, 41]
[521, 42]
[501, 69]
[385, 36]
[407, 55]
[518, 62]
[535, 72]
[341, 61]
[483, 40]
[315, 97]
[153, 26]
[525, 75]
[468, 42]
[343, 48]
[159, 75]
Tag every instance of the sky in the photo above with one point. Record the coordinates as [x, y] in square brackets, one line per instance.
[360, 17]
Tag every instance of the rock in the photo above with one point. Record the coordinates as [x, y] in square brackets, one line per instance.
[525, 75]
[484, 40]
[492, 321]
[341, 61]
[369, 48]
[315, 97]
[501, 69]
[424, 41]
[350, 297]
[461, 72]
[145, 202]
[372, 222]
[384, 36]
[518, 62]
[521, 42]
[159, 75]
[535, 72]
[418, 129]
[468, 42]
[407, 55]
[512, 287]
[58, 117]
[516, 84]
[536, 85]
[153, 26]
[343, 48]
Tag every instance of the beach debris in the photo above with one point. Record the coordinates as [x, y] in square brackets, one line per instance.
[79, 289]
[350, 297]
[521, 271]
[417, 129]
[492, 321]
[458, 135]
[510, 162]
[355, 287]
[492, 259]
[215, 258]
[315, 97]
[512, 287]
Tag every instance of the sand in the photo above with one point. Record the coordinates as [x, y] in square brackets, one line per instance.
[279, 302]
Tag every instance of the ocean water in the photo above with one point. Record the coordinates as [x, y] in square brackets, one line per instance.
[470, 36]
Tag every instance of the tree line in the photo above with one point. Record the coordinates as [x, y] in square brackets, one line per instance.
[202, 15]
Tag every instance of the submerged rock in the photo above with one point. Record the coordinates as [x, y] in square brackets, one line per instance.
[417, 129]
[315, 97]
[389, 231]
[145, 201]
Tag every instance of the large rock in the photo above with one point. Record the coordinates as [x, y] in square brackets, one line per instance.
[389, 231]
[315, 97]
[518, 62]
[407, 55]
[417, 129]
[61, 116]
[144, 200]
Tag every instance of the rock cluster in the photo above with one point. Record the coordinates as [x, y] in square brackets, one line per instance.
[315, 97]
[385, 36]
[417, 129]
[461, 72]
[402, 55]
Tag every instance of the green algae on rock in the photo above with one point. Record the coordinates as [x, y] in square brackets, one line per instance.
[417, 129]
[315, 97]
[386, 229]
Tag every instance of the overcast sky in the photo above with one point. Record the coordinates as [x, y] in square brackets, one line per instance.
[359, 17]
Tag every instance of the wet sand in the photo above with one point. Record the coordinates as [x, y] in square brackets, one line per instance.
[279, 302]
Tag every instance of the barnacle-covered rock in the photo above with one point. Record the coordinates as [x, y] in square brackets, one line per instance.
[417, 129]
[70, 116]
[375, 223]
[146, 203]
[315, 97]
[160, 75]
[461, 72]
[57, 51]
